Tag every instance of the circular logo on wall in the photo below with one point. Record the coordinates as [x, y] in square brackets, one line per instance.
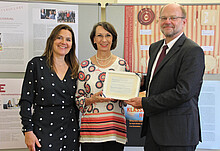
[146, 16]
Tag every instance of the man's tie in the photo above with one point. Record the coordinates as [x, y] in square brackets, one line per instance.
[162, 55]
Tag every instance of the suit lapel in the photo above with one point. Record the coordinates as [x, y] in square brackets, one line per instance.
[173, 50]
[153, 55]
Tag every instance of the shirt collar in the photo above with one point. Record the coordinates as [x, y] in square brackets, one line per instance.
[171, 43]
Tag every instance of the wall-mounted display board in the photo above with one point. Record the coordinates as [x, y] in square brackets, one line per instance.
[10, 123]
[25, 26]
[138, 26]
[141, 28]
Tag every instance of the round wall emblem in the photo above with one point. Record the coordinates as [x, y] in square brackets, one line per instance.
[146, 16]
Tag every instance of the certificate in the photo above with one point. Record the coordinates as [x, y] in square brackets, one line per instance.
[121, 85]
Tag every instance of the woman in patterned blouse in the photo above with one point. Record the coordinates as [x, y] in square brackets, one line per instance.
[103, 124]
[49, 87]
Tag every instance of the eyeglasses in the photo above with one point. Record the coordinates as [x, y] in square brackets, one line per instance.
[171, 18]
[100, 36]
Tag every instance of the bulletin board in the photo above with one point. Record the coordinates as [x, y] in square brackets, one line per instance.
[23, 33]
[138, 27]
[141, 28]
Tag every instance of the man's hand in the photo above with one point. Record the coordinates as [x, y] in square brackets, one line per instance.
[135, 102]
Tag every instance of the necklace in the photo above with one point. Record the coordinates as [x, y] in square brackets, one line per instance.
[110, 58]
[97, 58]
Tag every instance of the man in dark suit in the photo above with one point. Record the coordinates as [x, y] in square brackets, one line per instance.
[171, 114]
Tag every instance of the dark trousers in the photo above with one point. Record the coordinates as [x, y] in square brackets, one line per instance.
[105, 146]
[151, 145]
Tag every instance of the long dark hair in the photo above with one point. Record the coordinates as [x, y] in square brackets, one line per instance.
[70, 58]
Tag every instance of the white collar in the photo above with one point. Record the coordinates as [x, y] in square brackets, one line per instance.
[171, 43]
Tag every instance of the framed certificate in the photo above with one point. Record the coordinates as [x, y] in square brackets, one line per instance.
[121, 85]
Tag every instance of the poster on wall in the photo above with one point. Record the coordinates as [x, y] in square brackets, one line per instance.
[47, 16]
[134, 119]
[209, 114]
[11, 135]
[13, 36]
[25, 27]
[142, 28]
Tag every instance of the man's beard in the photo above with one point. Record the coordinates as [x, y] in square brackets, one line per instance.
[169, 34]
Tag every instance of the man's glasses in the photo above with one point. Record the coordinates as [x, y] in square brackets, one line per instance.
[171, 18]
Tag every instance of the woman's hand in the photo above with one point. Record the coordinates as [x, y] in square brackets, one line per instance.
[97, 97]
[31, 140]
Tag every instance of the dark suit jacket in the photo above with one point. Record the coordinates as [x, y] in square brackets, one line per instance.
[171, 108]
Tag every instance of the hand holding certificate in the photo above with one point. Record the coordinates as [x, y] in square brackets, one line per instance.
[95, 98]
[121, 85]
